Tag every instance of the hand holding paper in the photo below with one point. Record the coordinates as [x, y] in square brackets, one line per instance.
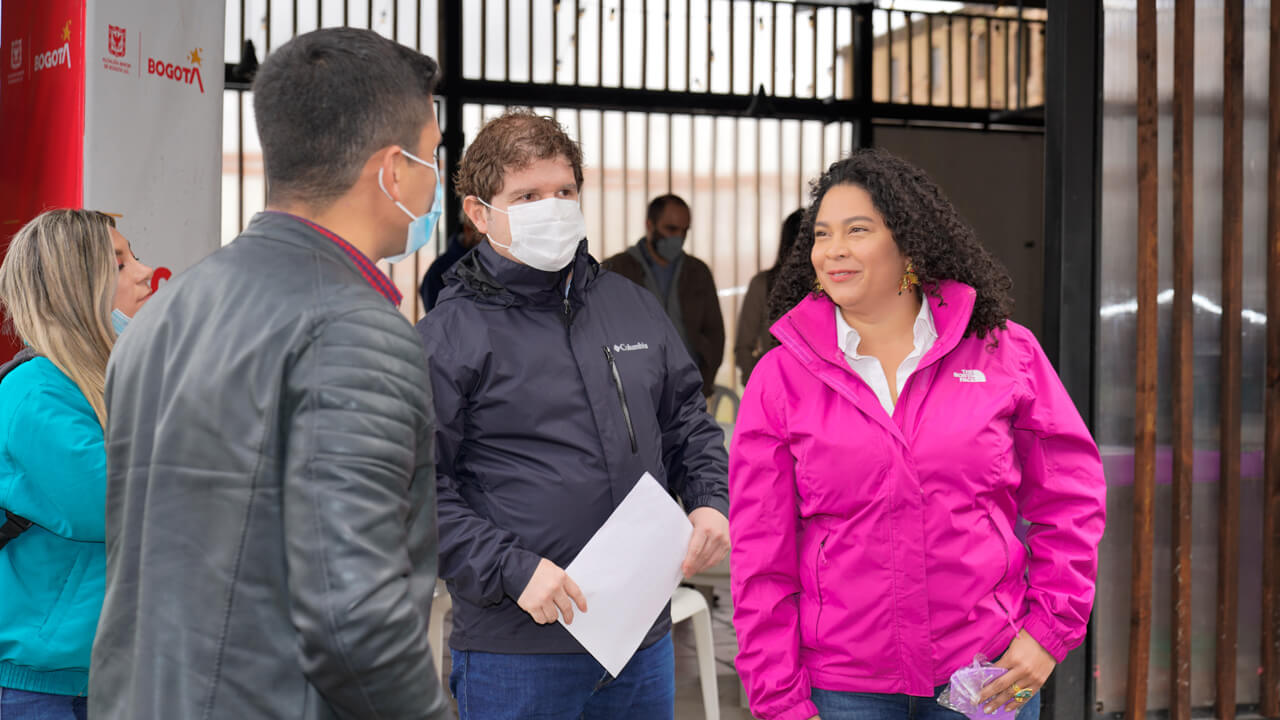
[627, 572]
[549, 594]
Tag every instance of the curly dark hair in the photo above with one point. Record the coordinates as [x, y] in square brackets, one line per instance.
[925, 226]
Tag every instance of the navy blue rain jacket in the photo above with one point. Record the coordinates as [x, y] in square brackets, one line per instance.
[549, 409]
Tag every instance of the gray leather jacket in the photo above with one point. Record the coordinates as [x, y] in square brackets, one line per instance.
[271, 520]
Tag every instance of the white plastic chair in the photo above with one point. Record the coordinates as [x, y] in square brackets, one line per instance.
[440, 604]
[687, 603]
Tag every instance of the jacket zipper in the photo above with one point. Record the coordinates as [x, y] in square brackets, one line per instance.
[817, 583]
[622, 398]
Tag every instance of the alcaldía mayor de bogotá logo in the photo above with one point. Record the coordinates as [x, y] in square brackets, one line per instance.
[117, 48]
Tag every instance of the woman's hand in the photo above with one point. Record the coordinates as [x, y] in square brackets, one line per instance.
[1028, 667]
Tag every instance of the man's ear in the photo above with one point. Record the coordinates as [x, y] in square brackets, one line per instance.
[648, 227]
[385, 161]
[475, 210]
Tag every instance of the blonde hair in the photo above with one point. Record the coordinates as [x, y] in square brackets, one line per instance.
[57, 284]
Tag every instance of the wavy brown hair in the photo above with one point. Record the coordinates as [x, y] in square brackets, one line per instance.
[926, 228]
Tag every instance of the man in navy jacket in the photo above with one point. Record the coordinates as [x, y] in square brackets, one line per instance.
[556, 385]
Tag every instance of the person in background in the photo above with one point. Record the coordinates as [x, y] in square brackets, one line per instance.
[556, 387]
[460, 243]
[882, 459]
[682, 283]
[270, 513]
[753, 338]
[59, 284]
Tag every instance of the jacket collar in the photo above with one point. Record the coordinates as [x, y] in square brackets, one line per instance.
[286, 226]
[494, 279]
[808, 333]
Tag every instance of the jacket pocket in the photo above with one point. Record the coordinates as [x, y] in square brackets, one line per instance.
[622, 399]
[819, 564]
[66, 597]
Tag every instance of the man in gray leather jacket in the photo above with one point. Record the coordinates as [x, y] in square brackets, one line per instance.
[271, 519]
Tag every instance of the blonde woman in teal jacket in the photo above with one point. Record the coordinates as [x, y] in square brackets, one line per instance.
[63, 276]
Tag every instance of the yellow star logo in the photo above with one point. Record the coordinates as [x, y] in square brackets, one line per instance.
[195, 56]
[66, 32]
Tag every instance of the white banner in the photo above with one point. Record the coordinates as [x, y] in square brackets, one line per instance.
[153, 124]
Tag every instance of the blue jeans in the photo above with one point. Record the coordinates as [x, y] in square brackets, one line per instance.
[500, 686]
[23, 705]
[834, 705]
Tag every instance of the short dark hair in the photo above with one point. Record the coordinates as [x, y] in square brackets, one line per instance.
[660, 203]
[513, 141]
[327, 100]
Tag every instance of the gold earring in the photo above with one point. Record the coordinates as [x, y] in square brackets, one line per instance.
[909, 279]
[817, 286]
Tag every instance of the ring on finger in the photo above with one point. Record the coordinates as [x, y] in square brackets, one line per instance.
[1021, 695]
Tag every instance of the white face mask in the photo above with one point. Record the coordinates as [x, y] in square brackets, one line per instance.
[544, 234]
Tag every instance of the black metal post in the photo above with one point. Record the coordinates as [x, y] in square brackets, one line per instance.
[1073, 106]
[863, 48]
[450, 44]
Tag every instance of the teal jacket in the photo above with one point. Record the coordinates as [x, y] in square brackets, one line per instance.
[53, 471]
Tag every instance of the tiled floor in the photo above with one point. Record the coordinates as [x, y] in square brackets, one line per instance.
[688, 687]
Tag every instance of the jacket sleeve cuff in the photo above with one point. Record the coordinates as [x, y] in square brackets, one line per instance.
[715, 502]
[517, 570]
[803, 711]
[1045, 632]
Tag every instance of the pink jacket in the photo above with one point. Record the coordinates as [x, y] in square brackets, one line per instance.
[880, 554]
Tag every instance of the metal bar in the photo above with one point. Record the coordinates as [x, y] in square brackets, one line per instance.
[670, 150]
[795, 55]
[928, 34]
[599, 58]
[369, 15]
[1232, 304]
[688, 51]
[968, 62]
[990, 45]
[1270, 706]
[626, 174]
[813, 23]
[531, 40]
[750, 51]
[710, 54]
[506, 40]
[555, 42]
[773, 54]
[1005, 52]
[622, 55]
[648, 148]
[319, 14]
[835, 54]
[911, 58]
[449, 46]
[484, 40]
[604, 236]
[951, 61]
[666, 45]
[644, 48]
[1184, 99]
[240, 132]
[1018, 67]
[395, 22]
[608, 98]
[889, 38]
[346, 13]
[1147, 353]
[577, 46]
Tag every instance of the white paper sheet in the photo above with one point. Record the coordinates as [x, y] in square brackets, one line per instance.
[628, 571]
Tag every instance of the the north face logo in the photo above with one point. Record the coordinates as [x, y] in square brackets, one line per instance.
[970, 376]
[628, 347]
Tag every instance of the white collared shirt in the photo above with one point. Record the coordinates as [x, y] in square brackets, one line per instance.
[924, 334]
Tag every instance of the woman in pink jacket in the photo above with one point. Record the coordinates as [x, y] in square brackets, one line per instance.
[882, 458]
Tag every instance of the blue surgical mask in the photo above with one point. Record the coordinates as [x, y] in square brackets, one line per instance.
[119, 321]
[423, 226]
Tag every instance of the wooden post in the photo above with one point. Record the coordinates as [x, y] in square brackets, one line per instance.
[1270, 696]
[1144, 455]
[1232, 305]
[1184, 102]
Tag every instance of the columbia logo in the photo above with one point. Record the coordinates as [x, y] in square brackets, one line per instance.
[628, 347]
[970, 376]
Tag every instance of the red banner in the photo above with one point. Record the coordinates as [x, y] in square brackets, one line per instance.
[41, 113]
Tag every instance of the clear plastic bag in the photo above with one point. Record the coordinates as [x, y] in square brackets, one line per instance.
[965, 688]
